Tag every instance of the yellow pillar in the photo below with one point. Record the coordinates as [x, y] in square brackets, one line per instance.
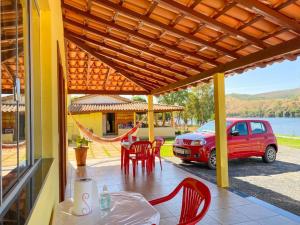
[150, 118]
[173, 119]
[134, 119]
[221, 133]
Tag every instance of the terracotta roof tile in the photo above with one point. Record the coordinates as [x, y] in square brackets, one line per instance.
[133, 106]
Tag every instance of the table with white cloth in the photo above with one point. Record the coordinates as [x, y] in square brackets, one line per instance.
[127, 208]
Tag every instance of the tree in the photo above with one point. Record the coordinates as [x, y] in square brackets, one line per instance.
[138, 98]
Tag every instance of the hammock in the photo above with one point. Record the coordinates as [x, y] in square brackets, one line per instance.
[93, 137]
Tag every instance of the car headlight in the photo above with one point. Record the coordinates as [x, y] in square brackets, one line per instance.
[198, 142]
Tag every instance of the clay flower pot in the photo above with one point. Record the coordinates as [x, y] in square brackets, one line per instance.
[81, 153]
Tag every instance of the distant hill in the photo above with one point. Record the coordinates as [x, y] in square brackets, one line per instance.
[283, 94]
[285, 103]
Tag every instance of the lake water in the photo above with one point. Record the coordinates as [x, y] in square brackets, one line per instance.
[285, 126]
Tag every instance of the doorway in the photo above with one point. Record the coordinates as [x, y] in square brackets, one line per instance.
[110, 123]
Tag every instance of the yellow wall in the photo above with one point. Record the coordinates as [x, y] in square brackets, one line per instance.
[51, 27]
[90, 120]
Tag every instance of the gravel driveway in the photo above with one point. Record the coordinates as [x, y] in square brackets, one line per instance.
[277, 183]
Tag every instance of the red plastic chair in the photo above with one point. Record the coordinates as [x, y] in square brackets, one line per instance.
[157, 143]
[140, 151]
[194, 193]
[125, 139]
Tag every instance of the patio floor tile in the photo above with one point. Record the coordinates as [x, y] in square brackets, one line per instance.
[226, 207]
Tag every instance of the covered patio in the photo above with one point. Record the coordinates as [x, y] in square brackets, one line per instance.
[153, 48]
[157, 47]
[52, 48]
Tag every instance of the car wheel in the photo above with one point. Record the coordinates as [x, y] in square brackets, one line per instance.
[212, 160]
[270, 154]
[186, 161]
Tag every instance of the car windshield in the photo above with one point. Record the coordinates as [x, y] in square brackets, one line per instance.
[209, 127]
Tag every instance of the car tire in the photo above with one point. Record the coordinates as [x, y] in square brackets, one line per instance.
[212, 160]
[186, 161]
[270, 155]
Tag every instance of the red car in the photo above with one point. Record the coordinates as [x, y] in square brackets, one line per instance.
[245, 138]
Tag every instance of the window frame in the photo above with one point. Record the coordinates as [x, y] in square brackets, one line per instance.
[32, 163]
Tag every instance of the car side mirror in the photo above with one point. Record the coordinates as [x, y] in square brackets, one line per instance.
[234, 133]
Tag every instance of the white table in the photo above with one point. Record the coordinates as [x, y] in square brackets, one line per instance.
[127, 208]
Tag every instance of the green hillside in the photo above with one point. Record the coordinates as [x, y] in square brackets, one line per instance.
[284, 103]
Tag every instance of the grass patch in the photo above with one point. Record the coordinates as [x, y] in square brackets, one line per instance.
[289, 141]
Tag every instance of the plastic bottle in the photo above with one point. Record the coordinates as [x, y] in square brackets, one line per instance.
[104, 199]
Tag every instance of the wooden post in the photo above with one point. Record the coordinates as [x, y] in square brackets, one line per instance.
[163, 119]
[150, 118]
[221, 131]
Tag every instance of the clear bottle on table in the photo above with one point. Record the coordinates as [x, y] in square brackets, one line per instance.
[105, 199]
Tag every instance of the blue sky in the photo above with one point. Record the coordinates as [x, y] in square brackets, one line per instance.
[279, 76]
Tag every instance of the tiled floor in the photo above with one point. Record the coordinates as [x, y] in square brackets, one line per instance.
[226, 207]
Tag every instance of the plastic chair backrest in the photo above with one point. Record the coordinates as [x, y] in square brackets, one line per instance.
[126, 139]
[141, 149]
[194, 194]
[157, 143]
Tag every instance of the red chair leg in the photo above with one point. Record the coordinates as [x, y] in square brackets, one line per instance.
[160, 163]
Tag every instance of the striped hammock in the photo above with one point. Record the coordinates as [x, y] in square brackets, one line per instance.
[93, 137]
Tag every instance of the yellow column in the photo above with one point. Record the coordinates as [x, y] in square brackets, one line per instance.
[173, 119]
[150, 118]
[221, 134]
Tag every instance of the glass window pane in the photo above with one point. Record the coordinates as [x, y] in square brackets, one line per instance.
[14, 158]
[241, 128]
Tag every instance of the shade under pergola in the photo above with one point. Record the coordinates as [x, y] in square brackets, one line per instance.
[153, 47]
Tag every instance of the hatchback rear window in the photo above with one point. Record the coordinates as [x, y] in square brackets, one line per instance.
[257, 127]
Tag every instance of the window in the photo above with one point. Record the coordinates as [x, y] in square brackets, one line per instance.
[257, 127]
[241, 128]
[17, 155]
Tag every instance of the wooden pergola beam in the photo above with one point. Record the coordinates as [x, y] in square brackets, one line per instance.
[128, 54]
[165, 27]
[108, 62]
[270, 13]
[134, 46]
[139, 35]
[273, 51]
[212, 22]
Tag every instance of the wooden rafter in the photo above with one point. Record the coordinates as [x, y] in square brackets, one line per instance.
[128, 54]
[281, 49]
[91, 51]
[134, 46]
[150, 70]
[126, 68]
[212, 22]
[140, 35]
[165, 27]
[270, 13]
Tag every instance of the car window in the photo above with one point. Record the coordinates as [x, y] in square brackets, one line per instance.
[241, 127]
[257, 127]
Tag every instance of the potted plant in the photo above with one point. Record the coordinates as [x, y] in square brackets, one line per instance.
[81, 150]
